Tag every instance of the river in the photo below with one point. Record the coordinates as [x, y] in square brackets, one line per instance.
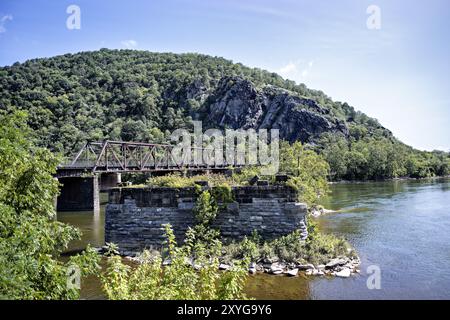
[402, 227]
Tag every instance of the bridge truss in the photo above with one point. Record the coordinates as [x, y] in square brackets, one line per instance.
[119, 156]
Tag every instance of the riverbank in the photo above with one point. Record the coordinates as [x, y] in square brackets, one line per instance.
[387, 180]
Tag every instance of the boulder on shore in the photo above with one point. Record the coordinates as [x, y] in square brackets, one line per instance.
[276, 268]
[224, 266]
[292, 273]
[344, 273]
[335, 262]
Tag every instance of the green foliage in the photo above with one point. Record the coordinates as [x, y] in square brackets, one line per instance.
[173, 180]
[249, 249]
[222, 194]
[206, 208]
[30, 239]
[375, 157]
[177, 180]
[289, 247]
[182, 279]
[242, 176]
[232, 283]
[220, 182]
[321, 248]
[308, 170]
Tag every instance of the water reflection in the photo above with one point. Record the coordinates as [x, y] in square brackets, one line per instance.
[90, 225]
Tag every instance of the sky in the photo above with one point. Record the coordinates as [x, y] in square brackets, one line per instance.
[389, 59]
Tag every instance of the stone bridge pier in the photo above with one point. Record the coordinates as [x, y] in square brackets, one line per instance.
[83, 193]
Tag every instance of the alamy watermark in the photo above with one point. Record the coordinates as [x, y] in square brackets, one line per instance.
[374, 280]
[73, 21]
[73, 274]
[374, 20]
[227, 148]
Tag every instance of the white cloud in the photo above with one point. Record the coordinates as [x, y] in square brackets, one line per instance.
[290, 68]
[296, 70]
[3, 21]
[129, 44]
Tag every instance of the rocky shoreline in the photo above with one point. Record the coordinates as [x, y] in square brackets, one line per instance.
[342, 267]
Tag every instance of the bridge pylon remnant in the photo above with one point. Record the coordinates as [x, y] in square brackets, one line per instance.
[79, 194]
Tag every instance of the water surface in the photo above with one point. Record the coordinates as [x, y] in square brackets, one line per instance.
[401, 226]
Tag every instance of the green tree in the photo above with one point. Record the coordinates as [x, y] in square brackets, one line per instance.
[335, 153]
[30, 239]
[309, 171]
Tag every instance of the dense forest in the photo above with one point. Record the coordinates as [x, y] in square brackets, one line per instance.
[142, 96]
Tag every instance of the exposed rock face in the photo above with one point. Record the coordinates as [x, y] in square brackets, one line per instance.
[237, 103]
[197, 90]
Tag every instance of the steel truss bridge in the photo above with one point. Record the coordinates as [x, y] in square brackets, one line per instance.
[128, 157]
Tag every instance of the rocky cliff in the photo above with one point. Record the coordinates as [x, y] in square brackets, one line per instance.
[237, 103]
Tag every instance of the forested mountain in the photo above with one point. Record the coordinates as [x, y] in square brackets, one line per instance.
[141, 96]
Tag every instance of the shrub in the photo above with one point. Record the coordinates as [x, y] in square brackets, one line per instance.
[206, 208]
[321, 248]
[222, 193]
[177, 180]
[309, 171]
[178, 280]
[173, 180]
[318, 248]
[249, 249]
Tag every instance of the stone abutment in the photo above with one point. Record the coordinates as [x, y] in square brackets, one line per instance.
[134, 216]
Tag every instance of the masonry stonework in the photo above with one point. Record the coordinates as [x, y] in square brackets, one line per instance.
[134, 216]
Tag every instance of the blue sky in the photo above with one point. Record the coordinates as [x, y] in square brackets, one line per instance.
[397, 74]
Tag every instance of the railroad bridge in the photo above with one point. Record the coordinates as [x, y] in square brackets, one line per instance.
[98, 166]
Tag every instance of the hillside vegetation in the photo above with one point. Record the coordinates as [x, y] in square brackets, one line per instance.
[142, 96]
